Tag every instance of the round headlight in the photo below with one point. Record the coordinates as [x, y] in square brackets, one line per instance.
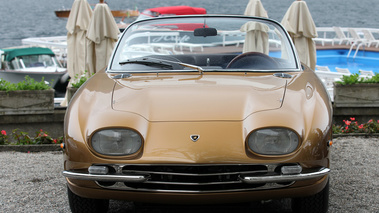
[273, 141]
[116, 142]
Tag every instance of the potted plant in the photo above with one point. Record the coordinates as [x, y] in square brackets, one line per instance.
[355, 91]
[26, 97]
[76, 85]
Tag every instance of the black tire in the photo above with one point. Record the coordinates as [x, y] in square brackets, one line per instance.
[81, 204]
[318, 203]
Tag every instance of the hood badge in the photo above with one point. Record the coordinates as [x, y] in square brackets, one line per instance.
[194, 138]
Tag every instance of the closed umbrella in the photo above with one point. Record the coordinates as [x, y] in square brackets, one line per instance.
[102, 35]
[299, 24]
[255, 8]
[256, 39]
[77, 24]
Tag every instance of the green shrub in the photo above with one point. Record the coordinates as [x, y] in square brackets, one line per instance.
[352, 126]
[356, 79]
[83, 78]
[23, 138]
[27, 84]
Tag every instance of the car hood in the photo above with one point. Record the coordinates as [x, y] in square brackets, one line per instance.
[198, 98]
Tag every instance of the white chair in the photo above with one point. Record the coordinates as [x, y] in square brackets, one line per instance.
[366, 73]
[322, 68]
[327, 77]
[344, 71]
[341, 37]
[370, 38]
[357, 38]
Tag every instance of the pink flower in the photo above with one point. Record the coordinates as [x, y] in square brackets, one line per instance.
[346, 127]
[347, 122]
[55, 140]
[353, 119]
[360, 126]
[370, 121]
[3, 132]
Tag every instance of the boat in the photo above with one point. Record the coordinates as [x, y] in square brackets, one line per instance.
[36, 62]
[165, 11]
[64, 13]
[171, 10]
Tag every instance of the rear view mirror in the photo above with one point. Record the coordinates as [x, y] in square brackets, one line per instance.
[205, 32]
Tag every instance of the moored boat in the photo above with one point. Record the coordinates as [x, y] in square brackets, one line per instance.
[64, 13]
[170, 11]
[37, 62]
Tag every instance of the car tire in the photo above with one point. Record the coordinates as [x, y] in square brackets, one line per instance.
[318, 203]
[81, 204]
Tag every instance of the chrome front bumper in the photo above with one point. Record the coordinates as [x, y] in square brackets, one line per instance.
[285, 178]
[245, 179]
[112, 178]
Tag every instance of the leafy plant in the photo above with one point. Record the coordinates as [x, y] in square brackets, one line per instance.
[352, 126]
[356, 79]
[22, 138]
[42, 138]
[80, 80]
[27, 84]
[3, 137]
[58, 140]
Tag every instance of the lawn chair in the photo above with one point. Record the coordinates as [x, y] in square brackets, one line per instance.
[341, 37]
[322, 68]
[370, 38]
[366, 73]
[344, 71]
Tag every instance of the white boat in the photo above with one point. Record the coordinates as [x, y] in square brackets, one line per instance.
[37, 62]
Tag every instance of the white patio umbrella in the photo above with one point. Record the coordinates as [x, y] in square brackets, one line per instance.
[102, 35]
[299, 24]
[77, 24]
[256, 38]
[255, 8]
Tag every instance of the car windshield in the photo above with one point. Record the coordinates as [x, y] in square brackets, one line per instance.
[204, 43]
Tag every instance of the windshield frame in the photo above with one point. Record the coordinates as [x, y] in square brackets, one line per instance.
[298, 66]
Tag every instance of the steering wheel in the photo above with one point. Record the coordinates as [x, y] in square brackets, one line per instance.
[253, 60]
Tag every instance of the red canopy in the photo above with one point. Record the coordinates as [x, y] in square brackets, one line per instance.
[178, 10]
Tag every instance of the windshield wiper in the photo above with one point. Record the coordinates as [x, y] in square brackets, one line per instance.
[161, 63]
[150, 62]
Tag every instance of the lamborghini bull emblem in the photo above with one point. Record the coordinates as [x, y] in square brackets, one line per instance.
[194, 138]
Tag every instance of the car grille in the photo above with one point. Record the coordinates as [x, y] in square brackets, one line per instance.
[192, 178]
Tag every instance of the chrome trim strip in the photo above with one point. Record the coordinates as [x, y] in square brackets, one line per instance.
[195, 184]
[194, 174]
[113, 178]
[121, 186]
[285, 178]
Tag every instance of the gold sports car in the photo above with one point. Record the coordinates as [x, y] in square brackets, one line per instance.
[200, 109]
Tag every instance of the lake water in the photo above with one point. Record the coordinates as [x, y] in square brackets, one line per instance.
[21, 19]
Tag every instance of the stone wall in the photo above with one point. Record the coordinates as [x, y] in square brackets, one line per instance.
[52, 123]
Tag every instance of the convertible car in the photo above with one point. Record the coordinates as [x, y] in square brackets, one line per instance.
[200, 109]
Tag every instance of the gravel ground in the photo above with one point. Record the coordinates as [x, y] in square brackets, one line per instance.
[32, 182]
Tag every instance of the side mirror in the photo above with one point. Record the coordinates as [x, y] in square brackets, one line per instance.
[205, 32]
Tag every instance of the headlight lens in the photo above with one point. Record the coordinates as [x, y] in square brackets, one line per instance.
[116, 142]
[273, 141]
